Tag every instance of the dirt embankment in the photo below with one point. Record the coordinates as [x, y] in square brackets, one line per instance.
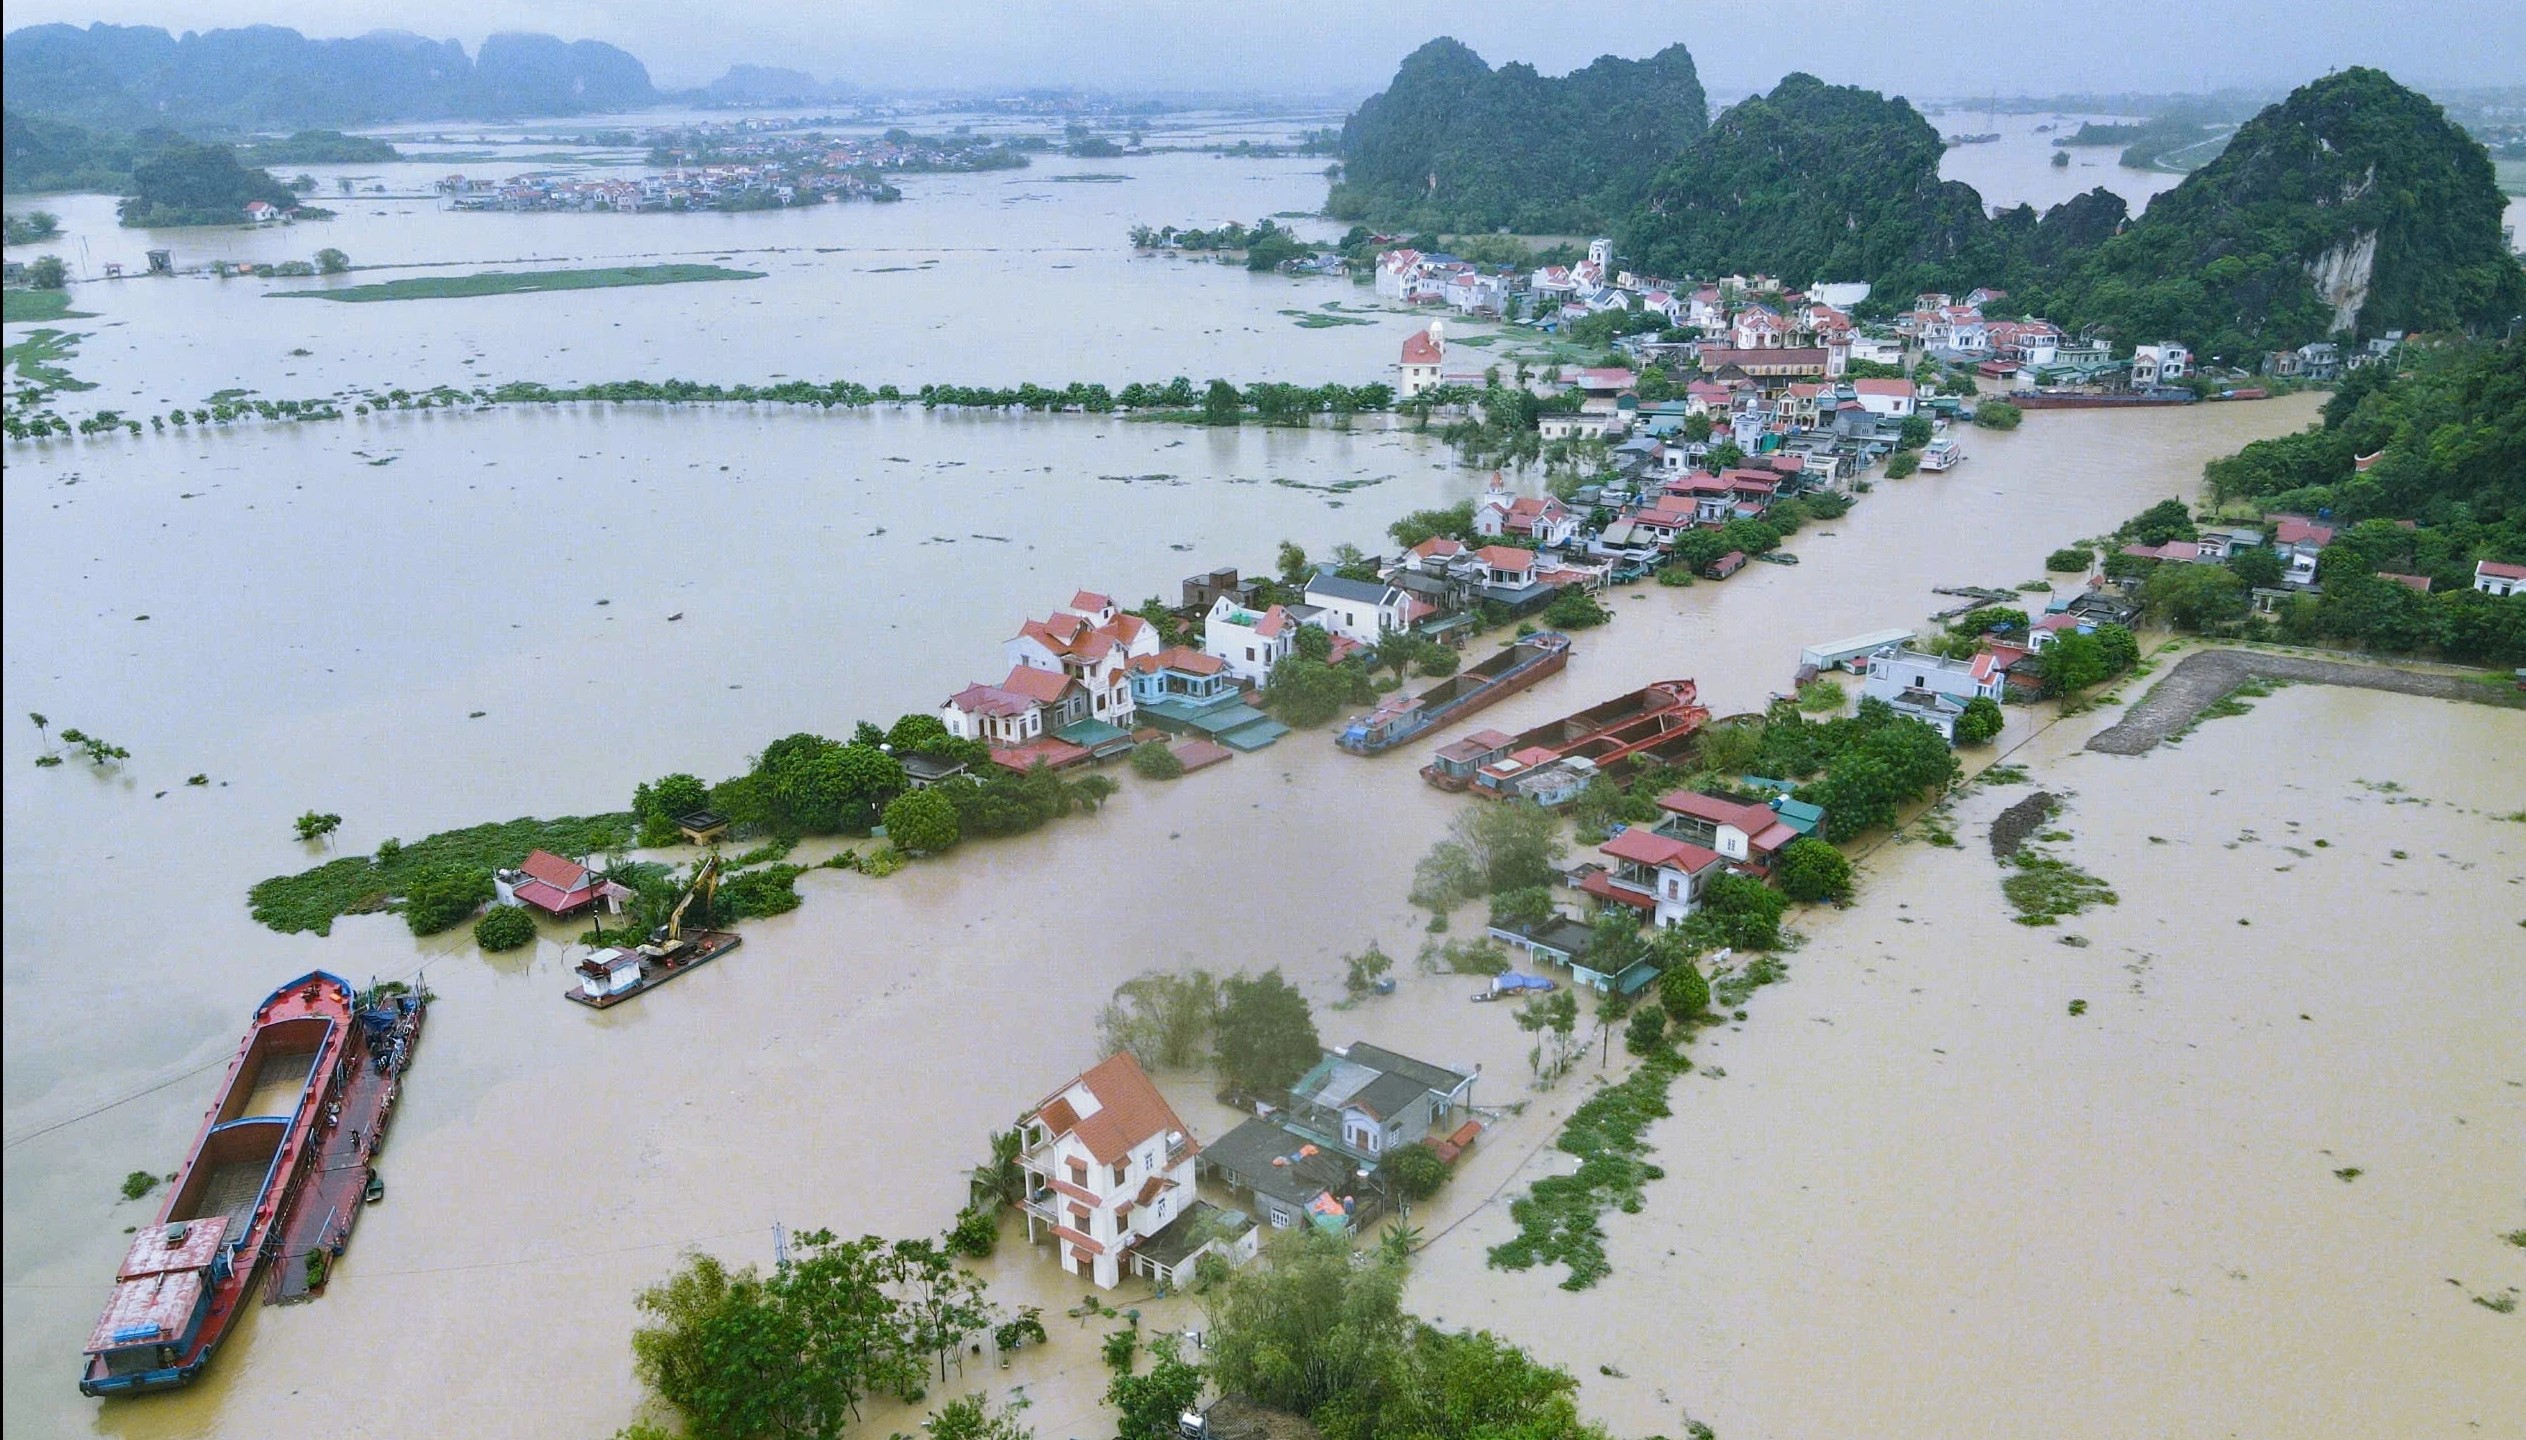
[2202, 677]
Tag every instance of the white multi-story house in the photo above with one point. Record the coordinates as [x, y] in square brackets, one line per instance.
[1423, 353]
[1107, 1165]
[1876, 349]
[1542, 519]
[1027, 706]
[2161, 364]
[1250, 642]
[1094, 643]
[1394, 273]
[1361, 610]
[1655, 873]
[1472, 293]
[1758, 327]
[1931, 688]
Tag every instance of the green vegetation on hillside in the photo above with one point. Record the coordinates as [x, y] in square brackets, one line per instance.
[2226, 260]
[1823, 181]
[1454, 145]
[518, 282]
[2445, 487]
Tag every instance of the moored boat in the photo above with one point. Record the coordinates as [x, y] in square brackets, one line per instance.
[185, 1276]
[1402, 717]
[1655, 724]
[1942, 454]
[2096, 399]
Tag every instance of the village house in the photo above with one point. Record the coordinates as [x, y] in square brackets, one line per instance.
[1931, 688]
[1250, 643]
[2163, 363]
[2498, 577]
[1423, 355]
[2299, 541]
[1654, 873]
[1751, 835]
[1179, 673]
[1107, 1164]
[1365, 1100]
[1019, 718]
[1543, 520]
[1090, 641]
[547, 882]
[1893, 399]
[2222, 542]
[1362, 611]
[1293, 1179]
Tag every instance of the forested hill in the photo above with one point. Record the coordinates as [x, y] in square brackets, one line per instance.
[1453, 144]
[118, 77]
[2353, 205]
[1814, 181]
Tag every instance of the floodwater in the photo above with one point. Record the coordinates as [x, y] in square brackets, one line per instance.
[1925, 1199]
[321, 629]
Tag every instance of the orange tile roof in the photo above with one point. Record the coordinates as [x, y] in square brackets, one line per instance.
[1131, 1110]
[554, 871]
[1041, 686]
[1506, 557]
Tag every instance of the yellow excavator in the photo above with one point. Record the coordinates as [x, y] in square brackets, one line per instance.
[667, 942]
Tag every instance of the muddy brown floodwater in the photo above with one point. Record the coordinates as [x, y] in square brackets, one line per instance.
[1832, 1199]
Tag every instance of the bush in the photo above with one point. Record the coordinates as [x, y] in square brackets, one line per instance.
[444, 898]
[2070, 560]
[507, 927]
[1903, 463]
[1416, 1170]
[1646, 1034]
[922, 821]
[1982, 720]
[1575, 610]
[138, 1183]
[1812, 870]
[1156, 761]
[1683, 991]
[976, 1232]
[1997, 415]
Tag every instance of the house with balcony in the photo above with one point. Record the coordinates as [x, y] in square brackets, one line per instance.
[2299, 542]
[1092, 642]
[1021, 718]
[1932, 688]
[1108, 1165]
[1250, 642]
[2163, 363]
[1656, 874]
[1543, 520]
[1365, 1100]
[1752, 835]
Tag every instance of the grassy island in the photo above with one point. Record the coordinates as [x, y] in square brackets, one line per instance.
[519, 282]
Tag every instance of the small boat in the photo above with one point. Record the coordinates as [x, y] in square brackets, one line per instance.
[1942, 454]
[612, 976]
[1402, 717]
[1777, 557]
[184, 1277]
[375, 1190]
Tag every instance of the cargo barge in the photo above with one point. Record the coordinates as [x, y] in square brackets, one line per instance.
[185, 1276]
[610, 977]
[1653, 725]
[2097, 399]
[1402, 717]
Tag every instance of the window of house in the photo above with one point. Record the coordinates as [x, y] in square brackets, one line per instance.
[1079, 1173]
[1079, 1218]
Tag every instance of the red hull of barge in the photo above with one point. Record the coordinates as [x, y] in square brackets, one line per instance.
[174, 1300]
[1651, 724]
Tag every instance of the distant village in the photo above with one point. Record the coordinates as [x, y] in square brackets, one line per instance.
[741, 168]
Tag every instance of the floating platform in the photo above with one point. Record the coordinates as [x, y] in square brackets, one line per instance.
[699, 949]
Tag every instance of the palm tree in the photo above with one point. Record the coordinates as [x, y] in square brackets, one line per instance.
[1395, 1247]
[999, 1180]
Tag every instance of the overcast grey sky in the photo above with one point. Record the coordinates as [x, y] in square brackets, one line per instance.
[1916, 47]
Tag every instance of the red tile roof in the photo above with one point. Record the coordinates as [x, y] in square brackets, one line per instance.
[1179, 657]
[1090, 600]
[1129, 1110]
[1439, 547]
[1643, 846]
[2499, 570]
[554, 871]
[1041, 686]
[1420, 349]
[2299, 530]
[1506, 557]
[979, 699]
[2417, 582]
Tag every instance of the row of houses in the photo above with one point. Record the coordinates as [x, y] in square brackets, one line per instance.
[1113, 1175]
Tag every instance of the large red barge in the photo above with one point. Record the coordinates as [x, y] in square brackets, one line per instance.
[1653, 725]
[295, 1120]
